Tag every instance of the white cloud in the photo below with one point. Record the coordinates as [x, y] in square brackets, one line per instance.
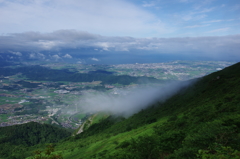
[94, 59]
[67, 56]
[36, 56]
[32, 56]
[213, 21]
[56, 57]
[130, 101]
[219, 30]
[105, 17]
[203, 3]
[197, 26]
[40, 55]
[16, 53]
[148, 4]
[206, 10]
[194, 15]
[103, 45]
[207, 45]
[187, 17]
[183, 1]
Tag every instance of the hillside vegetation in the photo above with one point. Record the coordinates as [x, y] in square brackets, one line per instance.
[17, 141]
[201, 121]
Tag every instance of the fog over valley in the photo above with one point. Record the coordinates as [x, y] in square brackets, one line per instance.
[128, 101]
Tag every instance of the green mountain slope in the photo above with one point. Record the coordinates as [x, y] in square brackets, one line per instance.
[16, 141]
[203, 119]
[200, 121]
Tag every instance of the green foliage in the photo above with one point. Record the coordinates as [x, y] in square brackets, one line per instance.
[14, 139]
[219, 152]
[98, 127]
[48, 153]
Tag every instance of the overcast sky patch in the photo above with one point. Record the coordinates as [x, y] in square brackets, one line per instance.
[180, 27]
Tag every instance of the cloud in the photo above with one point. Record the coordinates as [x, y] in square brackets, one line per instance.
[80, 61]
[128, 101]
[206, 10]
[196, 26]
[203, 3]
[183, 1]
[148, 4]
[103, 45]
[94, 59]
[236, 7]
[56, 57]
[32, 42]
[105, 17]
[213, 21]
[193, 15]
[67, 56]
[16, 53]
[46, 41]
[37, 56]
[32, 56]
[219, 30]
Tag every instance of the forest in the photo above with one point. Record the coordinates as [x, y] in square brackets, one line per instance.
[17, 140]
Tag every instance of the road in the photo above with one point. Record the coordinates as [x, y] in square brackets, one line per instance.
[82, 126]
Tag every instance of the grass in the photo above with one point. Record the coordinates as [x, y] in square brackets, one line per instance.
[4, 117]
[10, 100]
[109, 143]
[98, 117]
[3, 100]
[78, 115]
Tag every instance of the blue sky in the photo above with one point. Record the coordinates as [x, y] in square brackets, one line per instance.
[157, 27]
[197, 18]
[157, 18]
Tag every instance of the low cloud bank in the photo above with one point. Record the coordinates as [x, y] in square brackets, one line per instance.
[214, 47]
[128, 102]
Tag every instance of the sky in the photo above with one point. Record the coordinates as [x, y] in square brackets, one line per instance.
[105, 30]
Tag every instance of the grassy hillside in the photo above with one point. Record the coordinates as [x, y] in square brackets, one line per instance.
[200, 121]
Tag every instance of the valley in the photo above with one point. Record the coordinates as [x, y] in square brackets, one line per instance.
[23, 99]
[200, 119]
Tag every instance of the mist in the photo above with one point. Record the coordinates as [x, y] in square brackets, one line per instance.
[128, 101]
